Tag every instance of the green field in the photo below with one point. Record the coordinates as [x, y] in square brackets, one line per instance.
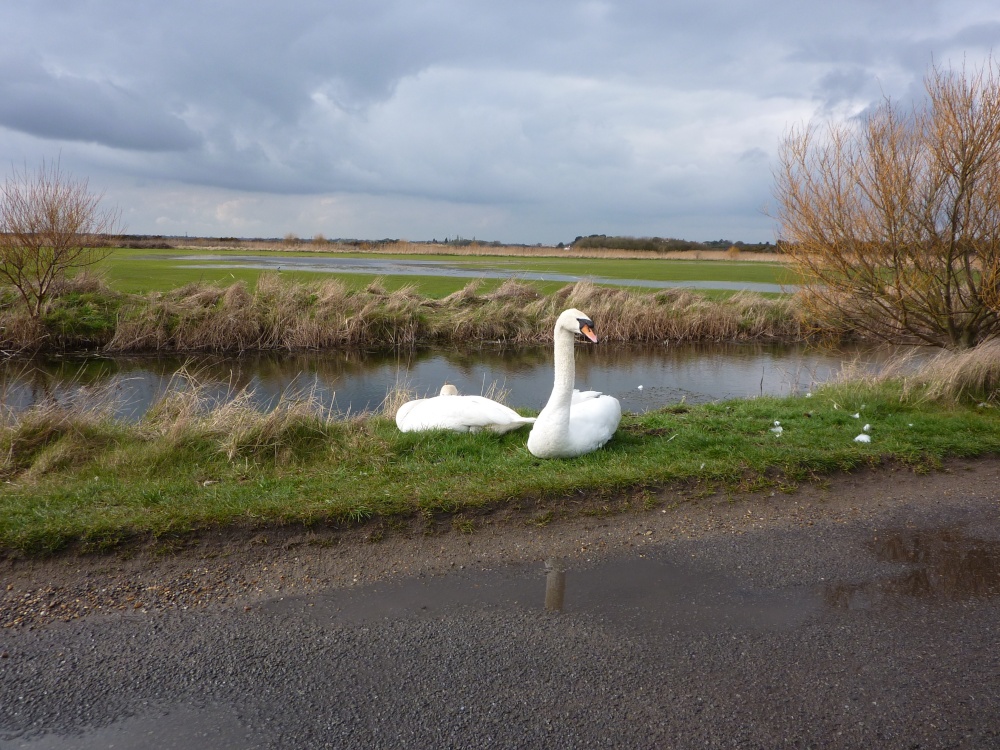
[138, 271]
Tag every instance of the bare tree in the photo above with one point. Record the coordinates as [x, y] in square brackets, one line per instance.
[50, 226]
[894, 220]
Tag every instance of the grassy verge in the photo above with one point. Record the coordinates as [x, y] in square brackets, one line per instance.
[82, 478]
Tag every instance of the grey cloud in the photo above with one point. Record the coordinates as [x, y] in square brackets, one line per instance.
[548, 113]
[77, 109]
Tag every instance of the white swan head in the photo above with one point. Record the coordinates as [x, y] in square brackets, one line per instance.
[449, 390]
[576, 322]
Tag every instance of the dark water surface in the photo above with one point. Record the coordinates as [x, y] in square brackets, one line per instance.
[349, 382]
[352, 382]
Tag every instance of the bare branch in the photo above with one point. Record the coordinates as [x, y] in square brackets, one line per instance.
[894, 222]
[50, 226]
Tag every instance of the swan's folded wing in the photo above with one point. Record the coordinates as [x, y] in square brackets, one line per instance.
[592, 422]
[580, 396]
[482, 413]
[459, 414]
[403, 414]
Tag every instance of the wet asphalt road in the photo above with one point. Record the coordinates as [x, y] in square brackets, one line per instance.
[872, 633]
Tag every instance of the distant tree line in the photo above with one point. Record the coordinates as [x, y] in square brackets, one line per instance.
[666, 244]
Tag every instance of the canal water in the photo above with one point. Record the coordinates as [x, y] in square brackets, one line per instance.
[349, 382]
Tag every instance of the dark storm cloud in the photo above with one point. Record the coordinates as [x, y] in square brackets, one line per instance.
[74, 109]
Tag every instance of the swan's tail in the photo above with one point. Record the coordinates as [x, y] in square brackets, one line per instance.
[514, 424]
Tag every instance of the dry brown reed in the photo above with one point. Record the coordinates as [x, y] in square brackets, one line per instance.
[280, 314]
[192, 409]
[965, 375]
[34, 438]
[19, 332]
[955, 376]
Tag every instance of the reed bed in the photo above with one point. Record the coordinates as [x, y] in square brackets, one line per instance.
[969, 375]
[321, 315]
[190, 414]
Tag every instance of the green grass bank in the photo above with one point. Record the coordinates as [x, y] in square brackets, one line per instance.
[84, 481]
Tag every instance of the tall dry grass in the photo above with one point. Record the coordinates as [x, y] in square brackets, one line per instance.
[56, 435]
[56, 432]
[326, 314]
[275, 315]
[516, 313]
[966, 375]
[279, 314]
[192, 409]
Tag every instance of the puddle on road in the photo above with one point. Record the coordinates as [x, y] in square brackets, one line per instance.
[169, 728]
[940, 564]
[656, 593]
[646, 593]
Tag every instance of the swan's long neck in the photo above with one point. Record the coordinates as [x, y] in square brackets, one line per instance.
[562, 388]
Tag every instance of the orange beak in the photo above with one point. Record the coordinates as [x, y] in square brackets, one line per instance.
[587, 331]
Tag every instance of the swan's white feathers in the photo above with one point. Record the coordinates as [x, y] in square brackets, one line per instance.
[592, 423]
[458, 413]
[573, 422]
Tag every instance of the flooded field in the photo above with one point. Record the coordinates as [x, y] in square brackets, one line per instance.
[372, 265]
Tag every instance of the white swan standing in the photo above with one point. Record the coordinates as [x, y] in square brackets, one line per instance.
[449, 411]
[572, 422]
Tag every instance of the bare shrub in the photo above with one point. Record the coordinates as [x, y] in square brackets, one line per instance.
[894, 222]
[51, 225]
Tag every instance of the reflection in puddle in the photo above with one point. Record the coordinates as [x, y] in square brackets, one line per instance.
[555, 585]
[941, 564]
[645, 593]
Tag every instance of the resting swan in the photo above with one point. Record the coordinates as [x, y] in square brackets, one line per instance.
[572, 422]
[449, 411]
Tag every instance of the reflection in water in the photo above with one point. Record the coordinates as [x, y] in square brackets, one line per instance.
[555, 585]
[356, 381]
[941, 564]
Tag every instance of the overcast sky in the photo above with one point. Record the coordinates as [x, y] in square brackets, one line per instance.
[513, 120]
